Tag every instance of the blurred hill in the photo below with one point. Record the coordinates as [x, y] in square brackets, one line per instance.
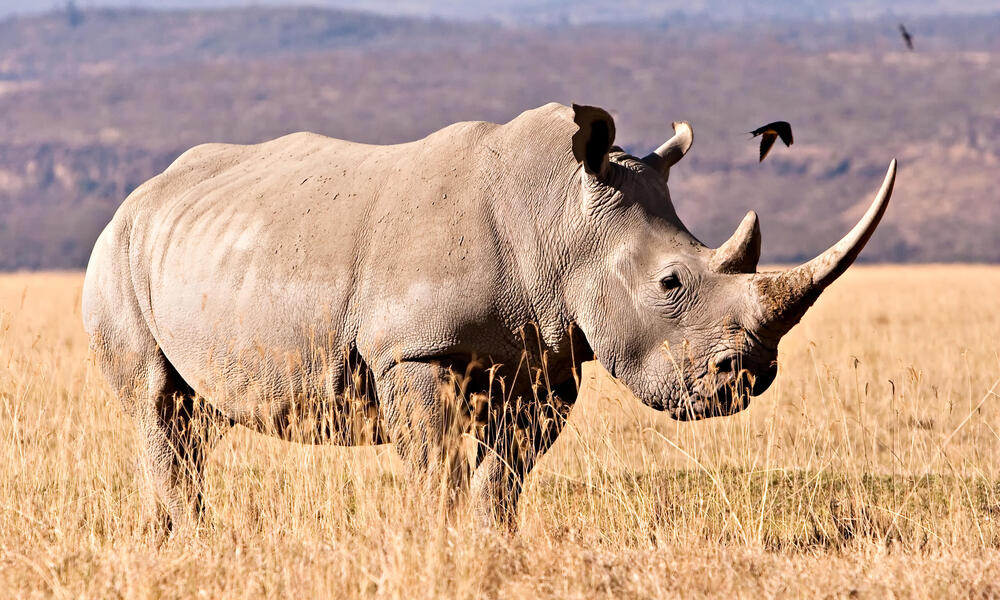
[93, 102]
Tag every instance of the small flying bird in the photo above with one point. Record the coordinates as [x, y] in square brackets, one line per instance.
[906, 37]
[771, 132]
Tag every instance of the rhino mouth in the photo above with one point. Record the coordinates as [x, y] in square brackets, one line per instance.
[722, 398]
[727, 399]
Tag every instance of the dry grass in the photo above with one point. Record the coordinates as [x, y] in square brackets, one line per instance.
[870, 467]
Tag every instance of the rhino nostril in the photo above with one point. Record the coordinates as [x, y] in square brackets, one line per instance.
[725, 362]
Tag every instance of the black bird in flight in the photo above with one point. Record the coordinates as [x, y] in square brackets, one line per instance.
[771, 132]
[906, 37]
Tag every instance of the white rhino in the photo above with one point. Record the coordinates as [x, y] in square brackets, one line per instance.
[325, 290]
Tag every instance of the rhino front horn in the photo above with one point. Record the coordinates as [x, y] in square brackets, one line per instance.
[672, 150]
[788, 294]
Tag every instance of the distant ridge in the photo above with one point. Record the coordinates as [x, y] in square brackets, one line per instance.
[54, 43]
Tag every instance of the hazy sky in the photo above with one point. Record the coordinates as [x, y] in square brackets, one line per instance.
[555, 11]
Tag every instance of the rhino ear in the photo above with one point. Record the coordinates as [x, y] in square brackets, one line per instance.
[592, 142]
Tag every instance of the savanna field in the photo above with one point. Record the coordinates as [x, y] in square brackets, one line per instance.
[870, 468]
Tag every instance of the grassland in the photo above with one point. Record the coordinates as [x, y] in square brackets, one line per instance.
[869, 469]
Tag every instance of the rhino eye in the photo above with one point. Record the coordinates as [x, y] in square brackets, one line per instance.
[670, 282]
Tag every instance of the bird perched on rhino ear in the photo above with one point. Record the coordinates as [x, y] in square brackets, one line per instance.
[771, 132]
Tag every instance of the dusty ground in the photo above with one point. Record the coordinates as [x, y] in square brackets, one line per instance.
[869, 469]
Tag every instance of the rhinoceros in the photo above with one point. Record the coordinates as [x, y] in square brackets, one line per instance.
[425, 293]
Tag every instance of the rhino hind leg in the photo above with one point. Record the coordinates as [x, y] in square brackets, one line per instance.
[175, 428]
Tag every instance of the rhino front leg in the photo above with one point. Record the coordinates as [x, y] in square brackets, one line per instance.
[426, 418]
[514, 443]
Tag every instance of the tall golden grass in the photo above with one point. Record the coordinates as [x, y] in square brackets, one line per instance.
[871, 467]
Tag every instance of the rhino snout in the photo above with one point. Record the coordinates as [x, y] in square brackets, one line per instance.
[731, 380]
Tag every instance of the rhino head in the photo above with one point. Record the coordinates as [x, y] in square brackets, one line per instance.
[689, 329]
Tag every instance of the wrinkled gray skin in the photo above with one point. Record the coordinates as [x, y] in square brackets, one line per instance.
[309, 285]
